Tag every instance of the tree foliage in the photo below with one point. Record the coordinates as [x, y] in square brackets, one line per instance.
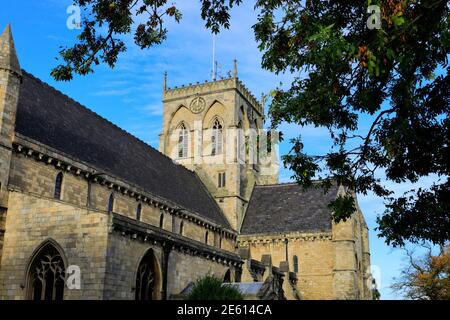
[105, 21]
[212, 288]
[396, 76]
[426, 278]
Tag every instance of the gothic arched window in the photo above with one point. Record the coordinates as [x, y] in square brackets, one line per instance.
[46, 274]
[182, 141]
[216, 138]
[161, 221]
[147, 278]
[227, 276]
[295, 262]
[138, 212]
[181, 227]
[58, 185]
[111, 203]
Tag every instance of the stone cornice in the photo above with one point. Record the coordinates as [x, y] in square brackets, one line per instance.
[280, 237]
[63, 162]
[145, 232]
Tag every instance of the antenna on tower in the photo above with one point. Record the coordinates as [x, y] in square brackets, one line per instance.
[213, 72]
[165, 82]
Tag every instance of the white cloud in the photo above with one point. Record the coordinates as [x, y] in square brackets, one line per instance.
[152, 110]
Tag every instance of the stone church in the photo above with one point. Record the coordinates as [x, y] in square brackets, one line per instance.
[80, 196]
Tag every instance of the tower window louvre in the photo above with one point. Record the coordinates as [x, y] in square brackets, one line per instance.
[182, 142]
[216, 138]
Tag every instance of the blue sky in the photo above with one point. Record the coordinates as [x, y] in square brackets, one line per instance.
[130, 94]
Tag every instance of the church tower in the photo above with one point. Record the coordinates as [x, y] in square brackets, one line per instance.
[215, 129]
[10, 79]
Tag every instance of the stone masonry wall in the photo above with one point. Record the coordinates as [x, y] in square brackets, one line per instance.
[184, 269]
[81, 233]
[315, 260]
[125, 254]
[123, 258]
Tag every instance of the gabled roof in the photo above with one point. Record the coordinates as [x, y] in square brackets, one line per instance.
[53, 119]
[286, 207]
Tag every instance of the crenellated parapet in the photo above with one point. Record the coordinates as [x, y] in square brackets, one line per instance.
[208, 87]
[245, 240]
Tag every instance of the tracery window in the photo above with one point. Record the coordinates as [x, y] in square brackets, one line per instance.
[147, 278]
[46, 275]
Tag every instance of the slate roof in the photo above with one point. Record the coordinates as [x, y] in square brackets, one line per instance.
[287, 208]
[50, 117]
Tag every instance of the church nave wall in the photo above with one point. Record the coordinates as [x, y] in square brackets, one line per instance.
[81, 234]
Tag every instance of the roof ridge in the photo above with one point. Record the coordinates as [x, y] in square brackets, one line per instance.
[248, 204]
[104, 119]
[284, 184]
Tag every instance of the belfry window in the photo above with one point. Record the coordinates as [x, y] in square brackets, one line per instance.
[58, 185]
[183, 141]
[221, 180]
[216, 138]
[46, 277]
[111, 203]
